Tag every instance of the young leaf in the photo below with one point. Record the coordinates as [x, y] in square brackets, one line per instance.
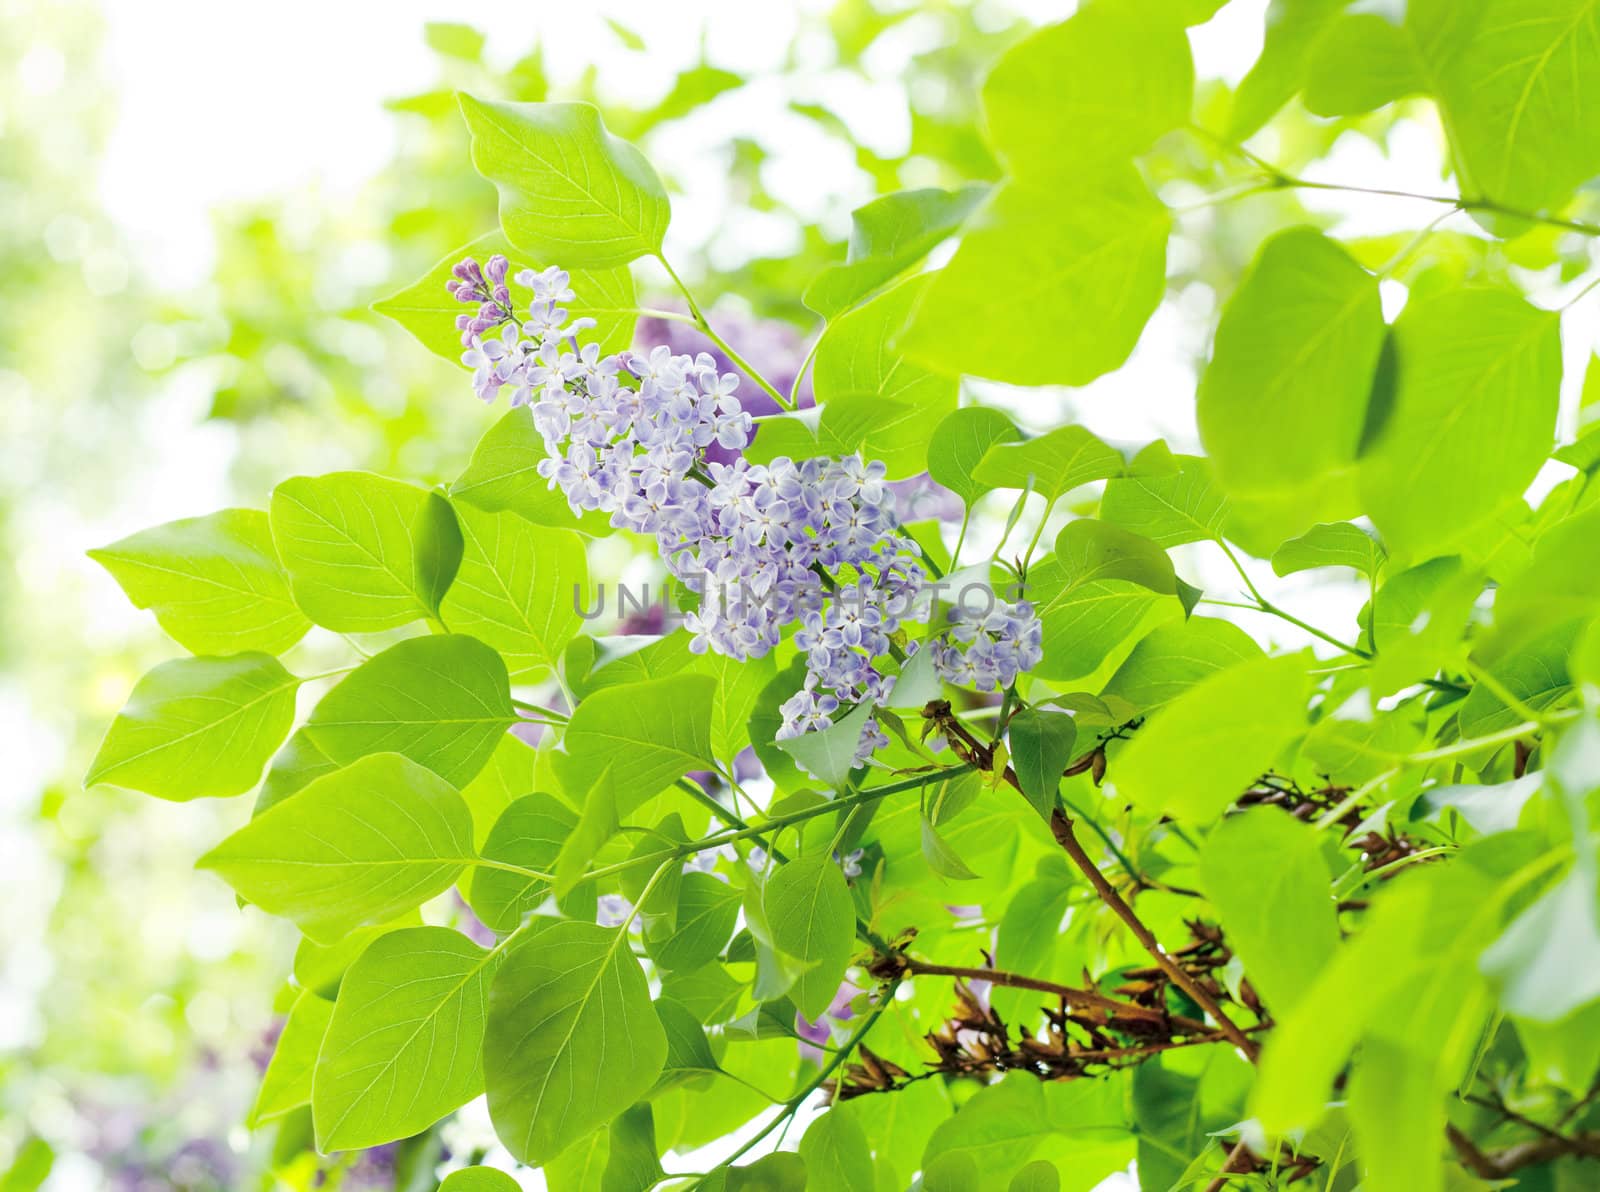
[286, 1084]
[1093, 551]
[479, 1179]
[503, 477]
[1473, 415]
[443, 700]
[1046, 101]
[572, 1038]
[812, 918]
[529, 833]
[569, 191]
[1051, 465]
[360, 845]
[1293, 32]
[364, 553]
[1083, 623]
[648, 734]
[688, 1052]
[874, 401]
[836, 1152]
[1172, 509]
[596, 825]
[427, 310]
[960, 441]
[1238, 721]
[1041, 748]
[829, 754]
[1052, 285]
[708, 910]
[1172, 658]
[1338, 544]
[1284, 400]
[941, 858]
[888, 236]
[632, 1161]
[214, 582]
[406, 1041]
[516, 588]
[198, 727]
[1264, 873]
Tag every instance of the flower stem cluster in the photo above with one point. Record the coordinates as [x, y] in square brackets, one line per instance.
[813, 544]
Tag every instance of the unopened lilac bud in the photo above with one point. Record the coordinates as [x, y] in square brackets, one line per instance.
[502, 295]
[490, 312]
[467, 270]
[496, 268]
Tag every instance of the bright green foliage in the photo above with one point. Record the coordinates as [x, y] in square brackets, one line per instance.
[1303, 861]
[286, 1084]
[356, 846]
[406, 1042]
[198, 726]
[515, 588]
[808, 911]
[569, 190]
[364, 553]
[1473, 416]
[1240, 719]
[213, 582]
[479, 1179]
[875, 401]
[1284, 400]
[443, 701]
[572, 1038]
[887, 236]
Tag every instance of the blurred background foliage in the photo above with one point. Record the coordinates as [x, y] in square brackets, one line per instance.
[135, 1001]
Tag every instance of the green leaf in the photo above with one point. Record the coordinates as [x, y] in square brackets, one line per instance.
[479, 1179]
[572, 1038]
[1038, 1176]
[1536, 674]
[596, 824]
[1293, 30]
[405, 1045]
[1473, 416]
[829, 754]
[1560, 584]
[708, 910]
[320, 967]
[364, 553]
[1263, 871]
[1494, 808]
[198, 727]
[960, 441]
[1052, 464]
[286, 1084]
[739, 684]
[503, 477]
[427, 310]
[1170, 510]
[812, 918]
[1041, 748]
[569, 190]
[1337, 544]
[1052, 284]
[1238, 720]
[510, 774]
[632, 1164]
[887, 237]
[688, 1052]
[1027, 938]
[837, 1154]
[1282, 404]
[1397, 1115]
[1083, 623]
[781, 1171]
[454, 39]
[648, 734]
[1416, 620]
[1091, 551]
[214, 582]
[941, 858]
[1362, 61]
[1544, 964]
[1099, 87]
[443, 700]
[1172, 658]
[518, 588]
[528, 833]
[873, 400]
[297, 763]
[357, 846]
[1515, 82]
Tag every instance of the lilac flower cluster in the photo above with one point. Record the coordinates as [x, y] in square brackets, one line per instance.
[989, 650]
[813, 543]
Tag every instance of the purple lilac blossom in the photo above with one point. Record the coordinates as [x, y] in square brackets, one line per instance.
[632, 435]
